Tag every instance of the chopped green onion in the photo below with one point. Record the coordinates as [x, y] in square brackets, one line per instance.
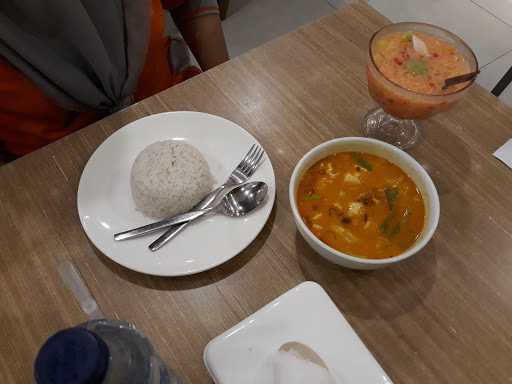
[407, 36]
[391, 196]
[395, 231]
[386, 225]
[312, 197]
[390, 229]
[363, 163]
[381, 44]
[417, 67]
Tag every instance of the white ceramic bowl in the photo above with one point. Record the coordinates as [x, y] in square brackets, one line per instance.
[386, 151]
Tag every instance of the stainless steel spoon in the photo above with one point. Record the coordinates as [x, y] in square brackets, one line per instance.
[238, 202]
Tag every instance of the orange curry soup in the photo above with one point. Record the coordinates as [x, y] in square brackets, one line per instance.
[361, 204]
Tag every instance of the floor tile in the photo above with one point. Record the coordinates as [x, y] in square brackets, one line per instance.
[501, 9]
[252, 23]
[491, 74]
[506, 96]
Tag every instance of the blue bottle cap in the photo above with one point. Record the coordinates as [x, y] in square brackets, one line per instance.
[72, 356]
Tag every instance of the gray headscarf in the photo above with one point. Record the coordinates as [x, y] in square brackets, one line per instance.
[84, 54]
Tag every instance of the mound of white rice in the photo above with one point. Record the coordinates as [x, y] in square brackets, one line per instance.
[168, 178]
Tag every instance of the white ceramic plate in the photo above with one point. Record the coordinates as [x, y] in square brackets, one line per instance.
[305, 314]
[105, 204]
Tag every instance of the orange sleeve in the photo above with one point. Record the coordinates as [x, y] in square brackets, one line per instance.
[28, 118]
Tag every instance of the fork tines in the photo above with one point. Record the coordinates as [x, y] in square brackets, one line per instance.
[251, 161]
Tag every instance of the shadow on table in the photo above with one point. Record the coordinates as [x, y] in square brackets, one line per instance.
[448, 161]
[193, 281]
[386, 293]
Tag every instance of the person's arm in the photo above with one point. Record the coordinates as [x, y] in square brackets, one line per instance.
[199, 23]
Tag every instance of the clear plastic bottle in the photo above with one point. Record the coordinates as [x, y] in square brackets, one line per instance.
[101, 352]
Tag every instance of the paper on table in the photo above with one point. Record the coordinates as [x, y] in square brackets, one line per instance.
[76, 285]
[504, 153]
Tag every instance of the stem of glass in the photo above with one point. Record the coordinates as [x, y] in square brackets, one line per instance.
[382, 126]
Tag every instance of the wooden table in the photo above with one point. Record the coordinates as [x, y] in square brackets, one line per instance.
[445, 316]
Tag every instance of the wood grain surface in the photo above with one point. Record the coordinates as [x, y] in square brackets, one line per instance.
[444, 316]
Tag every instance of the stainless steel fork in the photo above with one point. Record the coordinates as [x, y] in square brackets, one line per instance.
[240, 175]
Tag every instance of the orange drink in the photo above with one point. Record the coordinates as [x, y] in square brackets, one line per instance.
[407, 69]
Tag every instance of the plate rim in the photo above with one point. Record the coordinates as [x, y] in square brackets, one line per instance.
[270, 198]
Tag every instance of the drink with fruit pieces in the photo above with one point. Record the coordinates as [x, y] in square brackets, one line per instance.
[407, 69]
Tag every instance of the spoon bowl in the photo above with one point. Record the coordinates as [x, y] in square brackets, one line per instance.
[240, 201]
[244, 199]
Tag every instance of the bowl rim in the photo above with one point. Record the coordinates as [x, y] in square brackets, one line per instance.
[435, 209]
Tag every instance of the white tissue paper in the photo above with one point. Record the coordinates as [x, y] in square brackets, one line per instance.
[287, 368]
[504, 153]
